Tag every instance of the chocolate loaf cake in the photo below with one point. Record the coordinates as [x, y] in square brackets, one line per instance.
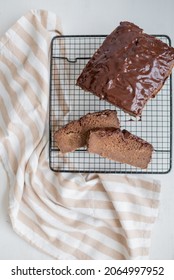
[129, 68]
[74, 134]
[121, 146]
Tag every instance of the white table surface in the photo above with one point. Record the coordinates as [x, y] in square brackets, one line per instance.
[94, 17]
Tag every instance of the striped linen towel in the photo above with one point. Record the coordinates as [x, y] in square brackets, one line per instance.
[68, 216]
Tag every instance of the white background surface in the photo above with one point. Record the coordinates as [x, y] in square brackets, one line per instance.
[94, 17]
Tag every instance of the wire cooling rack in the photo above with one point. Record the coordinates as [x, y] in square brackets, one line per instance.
[69, 55]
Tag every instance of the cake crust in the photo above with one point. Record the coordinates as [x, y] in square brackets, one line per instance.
[128, 69]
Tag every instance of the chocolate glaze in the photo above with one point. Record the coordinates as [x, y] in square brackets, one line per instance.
[129, 68]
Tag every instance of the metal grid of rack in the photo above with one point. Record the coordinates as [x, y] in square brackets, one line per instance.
[69, 55]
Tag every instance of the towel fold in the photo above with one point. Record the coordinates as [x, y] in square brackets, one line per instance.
[68, 216]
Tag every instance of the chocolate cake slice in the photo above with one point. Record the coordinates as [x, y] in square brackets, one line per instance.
[129, 68]
[121, 146]
[73, 135]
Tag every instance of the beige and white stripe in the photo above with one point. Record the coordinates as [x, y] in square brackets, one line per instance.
[68, 216]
